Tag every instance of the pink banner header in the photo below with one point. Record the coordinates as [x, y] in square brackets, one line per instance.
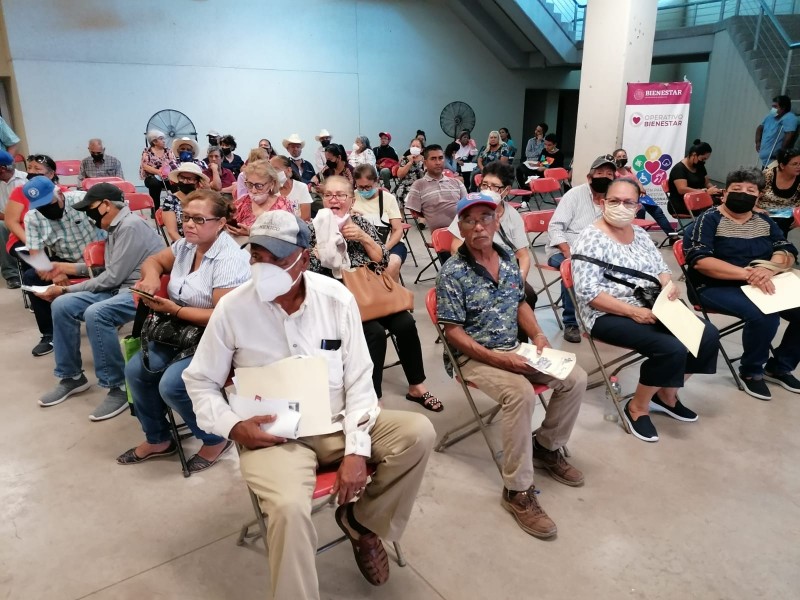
[659, 93]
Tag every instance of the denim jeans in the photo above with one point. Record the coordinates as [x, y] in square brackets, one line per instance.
[152, 392]
[758, 332]
[658, 216]
[102, 312]
[568, 315]
[8, 266]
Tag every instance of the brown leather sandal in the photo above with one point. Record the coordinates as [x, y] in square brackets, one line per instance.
[370, 555]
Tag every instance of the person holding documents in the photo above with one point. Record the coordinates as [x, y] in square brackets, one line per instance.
[613, 263]
[203, 266]
[730, 246]
[284, 312]
[480, 303]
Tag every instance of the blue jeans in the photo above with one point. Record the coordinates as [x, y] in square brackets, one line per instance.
[102, 312]
[758, 332]
[658, 216]
[152, 391]
[568, 315]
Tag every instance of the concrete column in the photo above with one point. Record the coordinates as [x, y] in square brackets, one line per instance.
[617, 50]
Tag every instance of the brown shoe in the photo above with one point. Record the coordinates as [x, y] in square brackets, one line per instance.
[529, 515]
[553, 462]
[370, 555]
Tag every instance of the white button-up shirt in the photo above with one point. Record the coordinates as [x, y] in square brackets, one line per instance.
[245, 332]
[6, 187]
[574, 213]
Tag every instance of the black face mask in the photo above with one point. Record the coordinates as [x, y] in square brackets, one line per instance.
[186, 188]
[97, 156]
[331, 164]
[600, 185]
[701, 163]
[226, 151]
[740, 202]
[621, 162]
[212, 141]
[32, 175]
[325, 143]
[95, 215]
[53, 211]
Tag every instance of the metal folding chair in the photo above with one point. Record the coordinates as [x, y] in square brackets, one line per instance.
[560, 174]
[430, 246]
[138, 201]
[680, 258]
[537, 222]
[480, 421]
[544, 189]
[159, 217]
[90, 181]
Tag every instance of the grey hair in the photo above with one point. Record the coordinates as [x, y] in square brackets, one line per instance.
[364, 140]
[98, 140]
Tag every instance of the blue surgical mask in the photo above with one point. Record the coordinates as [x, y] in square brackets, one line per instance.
[367, 193]
[185, 156]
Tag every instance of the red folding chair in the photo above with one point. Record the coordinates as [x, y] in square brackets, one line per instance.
[680, 258]
[537, 222]
[796, 215]
[94, 256]
[544, 189]
[138, 201]
[68, 168]
[560, 174]
[430, 247]
[90, 181]
[697, 202]
[159, 217]
[480, 420]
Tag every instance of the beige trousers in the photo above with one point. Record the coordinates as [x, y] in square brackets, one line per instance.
[515, 394]
[283, 478]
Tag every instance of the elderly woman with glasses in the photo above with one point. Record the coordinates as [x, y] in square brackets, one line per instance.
[263, 195]
[610, 260]
[363, 246]
[157, 162]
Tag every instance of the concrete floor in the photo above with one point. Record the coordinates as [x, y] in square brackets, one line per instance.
[709, 512]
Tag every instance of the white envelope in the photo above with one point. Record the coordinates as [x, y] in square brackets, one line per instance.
[679, 319]
[786, 296]
[288, 416]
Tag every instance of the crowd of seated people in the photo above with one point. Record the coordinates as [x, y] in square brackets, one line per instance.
[293, 283]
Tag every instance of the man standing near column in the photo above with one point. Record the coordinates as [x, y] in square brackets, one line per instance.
[10, 179]
[777, 131]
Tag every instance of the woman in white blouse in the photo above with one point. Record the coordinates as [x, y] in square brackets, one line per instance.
[203, 266]
[362, 153]
[609, 260]
[292, 187]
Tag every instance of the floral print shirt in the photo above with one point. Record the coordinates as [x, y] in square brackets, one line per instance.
[150, 159]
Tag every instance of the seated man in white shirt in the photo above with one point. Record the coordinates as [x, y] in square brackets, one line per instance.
[285, 311]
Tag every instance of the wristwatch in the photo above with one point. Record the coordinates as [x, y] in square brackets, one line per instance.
[63, 289]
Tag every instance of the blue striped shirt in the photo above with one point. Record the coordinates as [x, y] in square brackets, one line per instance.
[224, 265]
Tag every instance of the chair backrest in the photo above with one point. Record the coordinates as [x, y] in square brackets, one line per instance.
[162, 292]
[697, 201]
[545, 185]
[90, 181]
[430, 304]
[67, 168]
[160, 217]
[449, 173]
[796, 215]
[566, 273]
[665, 186]
[537, 221]
[442, 239]
[139, 201]
[677, 252]
[558, 173]
[94, 255]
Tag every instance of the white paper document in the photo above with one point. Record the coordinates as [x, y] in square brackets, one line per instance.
[285, 425]
[532, 164]
[38, 261]
[35, 289]
[556, 363]
[298, 379]
[468, 167]
[786, 296]
[679, 319]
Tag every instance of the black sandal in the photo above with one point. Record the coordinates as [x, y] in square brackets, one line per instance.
[197, 463]
[130, 458]
[427, 400]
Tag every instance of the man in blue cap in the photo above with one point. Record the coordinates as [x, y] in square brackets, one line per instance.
[52, 226]
[10, 179]
[480, 297]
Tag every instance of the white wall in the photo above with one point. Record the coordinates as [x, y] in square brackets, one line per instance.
[734, 108]
[101, 68]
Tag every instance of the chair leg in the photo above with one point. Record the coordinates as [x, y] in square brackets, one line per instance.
[479, 422]
[401, 559]
[176, 434]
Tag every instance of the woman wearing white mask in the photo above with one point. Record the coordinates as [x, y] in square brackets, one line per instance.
[362, 153]
[609, 260]
[292, 187]
[364, 247]
[203, 267]
[411, 168]
[263, 195]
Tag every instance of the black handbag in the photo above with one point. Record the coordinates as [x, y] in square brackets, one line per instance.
[171, 331]
[645, 294]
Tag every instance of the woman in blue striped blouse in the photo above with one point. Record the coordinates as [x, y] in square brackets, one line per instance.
[203, 266]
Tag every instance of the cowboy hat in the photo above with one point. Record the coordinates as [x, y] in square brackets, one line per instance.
[185, 140]
[323, 133]
[293, 139]
[189, 168]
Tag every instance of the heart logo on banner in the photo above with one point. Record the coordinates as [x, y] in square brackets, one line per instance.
[636, 120]
[651, 166]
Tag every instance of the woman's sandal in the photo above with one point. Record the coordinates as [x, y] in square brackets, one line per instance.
[427, 400]
[130, 457]
[197, 463]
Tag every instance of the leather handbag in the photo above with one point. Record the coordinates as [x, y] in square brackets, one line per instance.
[377, 294]
[170, 331]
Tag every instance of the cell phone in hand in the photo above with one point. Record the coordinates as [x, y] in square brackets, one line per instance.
[143, 294]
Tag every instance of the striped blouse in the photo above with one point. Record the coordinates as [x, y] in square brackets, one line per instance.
[224, 265]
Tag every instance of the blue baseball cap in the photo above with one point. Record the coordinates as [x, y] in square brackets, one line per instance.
[39, 191]
[474, 199]
[6, 159]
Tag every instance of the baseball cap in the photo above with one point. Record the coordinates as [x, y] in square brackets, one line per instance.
[606, 159]
[280, 232]
[385, 133]
[98, 192]
[6, 159]
[39, 191]
[474, 199]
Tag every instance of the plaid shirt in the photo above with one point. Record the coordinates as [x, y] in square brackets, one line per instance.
[109, 167]
[65, 238]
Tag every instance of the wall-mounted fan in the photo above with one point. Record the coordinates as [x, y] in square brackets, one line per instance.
[173, 123]
[456, 117]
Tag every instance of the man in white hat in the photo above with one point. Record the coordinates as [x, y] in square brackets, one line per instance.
[302, 168]
[188, 150]
[324, 138]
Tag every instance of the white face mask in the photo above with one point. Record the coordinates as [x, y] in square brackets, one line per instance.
[281, 178]
[272, 281]
[259, 198]
[414, 151]
[496, 198]
[356, 147]
[773, 111]
[618, 216]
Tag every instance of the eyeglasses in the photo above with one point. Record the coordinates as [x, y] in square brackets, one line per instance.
[256, 186]
[483, 220]
[189, 179]
[613, 202]
[198, 220]
[491, 187]
[365, 188]
[338, 195]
